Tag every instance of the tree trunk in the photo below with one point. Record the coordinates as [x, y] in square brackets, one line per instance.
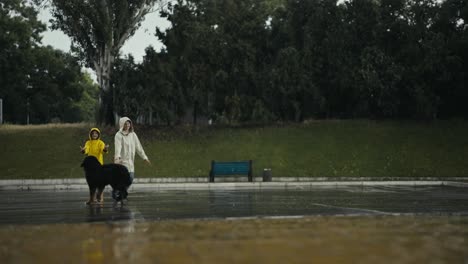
[150, 116]
[103, 68]
[195, 113]
[106, 109]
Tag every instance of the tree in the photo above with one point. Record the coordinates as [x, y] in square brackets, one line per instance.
[158, 81]
[56, 86]
[98, 30]
[126, 87]
[253, 60]
[88, 101]
[19, 35]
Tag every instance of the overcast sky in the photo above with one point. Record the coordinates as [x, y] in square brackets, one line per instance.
[136, 45]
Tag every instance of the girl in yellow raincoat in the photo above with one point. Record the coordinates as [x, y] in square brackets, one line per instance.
[95, 146]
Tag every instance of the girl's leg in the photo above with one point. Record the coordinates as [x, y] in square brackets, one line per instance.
[132, 176]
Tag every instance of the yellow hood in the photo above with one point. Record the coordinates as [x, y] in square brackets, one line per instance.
[97, 130]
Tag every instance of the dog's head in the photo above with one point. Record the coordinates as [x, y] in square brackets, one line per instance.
[91, 163]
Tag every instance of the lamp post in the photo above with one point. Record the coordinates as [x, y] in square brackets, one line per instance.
[1, 111]
[27, 110]
[28, 88]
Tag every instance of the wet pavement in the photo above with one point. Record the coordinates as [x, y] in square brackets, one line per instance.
[55, 206]
[322, 224]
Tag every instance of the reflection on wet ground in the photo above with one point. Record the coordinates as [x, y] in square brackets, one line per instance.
[40, 207]
[332, 225]
[318, 239]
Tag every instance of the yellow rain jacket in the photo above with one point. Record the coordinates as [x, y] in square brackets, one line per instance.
[95, 147]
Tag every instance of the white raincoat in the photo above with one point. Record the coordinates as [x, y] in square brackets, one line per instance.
[126, 144]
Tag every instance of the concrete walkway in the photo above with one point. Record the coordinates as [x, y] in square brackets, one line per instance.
[234, 183]
[68, 206]
[327, 220]
[359, 224]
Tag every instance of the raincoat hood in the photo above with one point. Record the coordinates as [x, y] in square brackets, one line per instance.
[97, 130]
[122, 123]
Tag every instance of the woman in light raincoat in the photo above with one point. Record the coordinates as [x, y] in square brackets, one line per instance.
[126, 145]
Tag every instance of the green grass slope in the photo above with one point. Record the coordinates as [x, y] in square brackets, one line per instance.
[316, 149]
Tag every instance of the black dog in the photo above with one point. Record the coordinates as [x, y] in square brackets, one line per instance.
[98, 176]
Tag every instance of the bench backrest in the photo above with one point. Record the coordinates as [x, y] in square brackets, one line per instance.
[231, 168]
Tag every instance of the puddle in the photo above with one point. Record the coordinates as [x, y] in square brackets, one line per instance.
[313, 239]
[42, 207]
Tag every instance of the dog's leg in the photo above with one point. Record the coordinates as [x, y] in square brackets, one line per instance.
[92, 193]
[100, 195]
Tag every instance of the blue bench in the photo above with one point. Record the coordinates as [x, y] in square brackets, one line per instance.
[231, 168]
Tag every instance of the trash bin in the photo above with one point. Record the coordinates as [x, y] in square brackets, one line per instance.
[267, 175]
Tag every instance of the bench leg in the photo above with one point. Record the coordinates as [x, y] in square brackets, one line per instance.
[250, 171]
[211, 177]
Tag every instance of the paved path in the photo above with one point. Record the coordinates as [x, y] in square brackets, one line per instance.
[178, 183]
[229, 201]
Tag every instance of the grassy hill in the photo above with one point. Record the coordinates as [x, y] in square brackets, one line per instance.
[316, 149]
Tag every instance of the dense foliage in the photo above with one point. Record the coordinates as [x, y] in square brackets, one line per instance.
[38, 84]
[236, 61]
[263, 61]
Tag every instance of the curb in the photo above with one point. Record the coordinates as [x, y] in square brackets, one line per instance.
[200, 183]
